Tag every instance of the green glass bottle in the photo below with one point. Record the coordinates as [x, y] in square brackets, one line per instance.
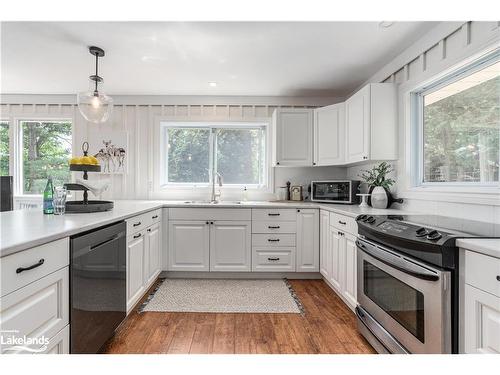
[48, 196]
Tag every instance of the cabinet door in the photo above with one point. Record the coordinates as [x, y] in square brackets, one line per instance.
[231, 246]
[135, 268]
[293, 131]
[188, 246]
[307, 240]
[482, 321]
[325, 248]
[329, 135]
[336, 243]
[153, 259]
[349, 287]
[357, 109]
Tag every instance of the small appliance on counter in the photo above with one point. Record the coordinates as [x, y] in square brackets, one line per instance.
[85, 205]
[335, 191]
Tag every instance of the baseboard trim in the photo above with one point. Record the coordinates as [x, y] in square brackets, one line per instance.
[241, 275]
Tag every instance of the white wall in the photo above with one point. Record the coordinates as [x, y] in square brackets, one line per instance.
[443, 48]
[136, 115]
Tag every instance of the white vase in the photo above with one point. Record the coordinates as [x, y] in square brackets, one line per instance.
[379, 198]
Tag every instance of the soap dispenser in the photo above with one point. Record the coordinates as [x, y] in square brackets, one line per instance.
[245, 194]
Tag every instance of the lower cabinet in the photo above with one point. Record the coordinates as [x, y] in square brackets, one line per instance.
[39, 310]
[136, 246]
[307, 240]
[188, 245]
[152, 263]
[338, 258]
[144, 261]
[231, 246]
[482, 321]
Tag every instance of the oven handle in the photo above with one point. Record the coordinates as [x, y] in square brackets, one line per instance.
[397, 261]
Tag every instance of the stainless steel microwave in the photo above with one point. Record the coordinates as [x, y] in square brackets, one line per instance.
[335, 191]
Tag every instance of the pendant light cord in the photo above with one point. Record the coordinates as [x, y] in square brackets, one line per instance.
[96, 74]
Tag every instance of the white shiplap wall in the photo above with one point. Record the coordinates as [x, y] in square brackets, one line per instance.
[443, 48]
[138, 121]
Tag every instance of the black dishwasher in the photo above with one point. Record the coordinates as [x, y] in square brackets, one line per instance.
[98, 286]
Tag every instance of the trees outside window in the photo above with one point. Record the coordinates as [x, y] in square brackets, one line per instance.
[192, 155]
[461, 129]
[4, 148]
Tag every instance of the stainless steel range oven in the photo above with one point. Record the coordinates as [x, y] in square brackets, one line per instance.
[404, 303]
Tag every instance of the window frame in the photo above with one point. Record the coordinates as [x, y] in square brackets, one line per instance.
[16, 147]
[164, 124]
[416, 103]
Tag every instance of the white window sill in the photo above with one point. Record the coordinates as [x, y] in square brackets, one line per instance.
[455, 194]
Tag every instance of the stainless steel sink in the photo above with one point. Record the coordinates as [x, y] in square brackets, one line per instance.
[213, 203]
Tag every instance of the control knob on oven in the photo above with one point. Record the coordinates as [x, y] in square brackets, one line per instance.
[370, 220]
[434, 235]
[422, 232]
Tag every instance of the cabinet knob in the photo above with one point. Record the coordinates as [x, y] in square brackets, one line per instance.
[277, 163]
[207, 222]
[314, 163]
[498, 278]
[298, 210]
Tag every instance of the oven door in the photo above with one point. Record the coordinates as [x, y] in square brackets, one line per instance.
[410, 300]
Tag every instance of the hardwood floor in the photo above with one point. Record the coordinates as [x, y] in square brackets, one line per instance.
[327, 327]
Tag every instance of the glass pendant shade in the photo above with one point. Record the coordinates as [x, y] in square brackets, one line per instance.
[94, 106]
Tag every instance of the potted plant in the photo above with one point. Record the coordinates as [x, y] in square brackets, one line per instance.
[379, 184]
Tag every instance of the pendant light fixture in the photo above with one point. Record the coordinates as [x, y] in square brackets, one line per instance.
[94, 105]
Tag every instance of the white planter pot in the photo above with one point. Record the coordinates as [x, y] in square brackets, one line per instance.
[379, 198]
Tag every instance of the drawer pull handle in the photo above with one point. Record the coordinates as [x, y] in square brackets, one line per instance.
[342, 222]
[274, 240]
[22, 269]
[273, 259]
[273, 214]
[155, 217]
[273, 227]
[137, 235]
[137, 224]
[498, 278]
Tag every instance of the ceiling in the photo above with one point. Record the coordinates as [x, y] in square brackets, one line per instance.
[181, 58]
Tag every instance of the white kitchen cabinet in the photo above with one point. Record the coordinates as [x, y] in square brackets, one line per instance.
[293, 137]
[349, 255]
[136, 246]
[231, 246]
[41, 308]
[152, 260]
[482, 321]
[338, 253]
[307, 251]
[371, 123]
[189, 245]
[329, 135]
[337, 245]
[325, 249]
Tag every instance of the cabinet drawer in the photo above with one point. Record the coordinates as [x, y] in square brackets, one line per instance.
[210, 214]
[155, 216]
[137, 223]
[274, 227]
[273, 240]
[482, 272]
[344, 223]
[272, 259]
[51, 257]
[39, 309]
[270, 214]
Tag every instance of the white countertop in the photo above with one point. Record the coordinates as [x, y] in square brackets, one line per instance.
[23, 229]
[487, 246]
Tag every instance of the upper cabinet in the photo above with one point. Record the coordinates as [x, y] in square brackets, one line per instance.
[371, 124]
[329, 138]
[363, 128]
[293, 137]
